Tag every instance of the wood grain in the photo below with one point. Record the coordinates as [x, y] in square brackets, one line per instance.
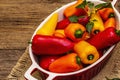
[8, 58]
[18, 21]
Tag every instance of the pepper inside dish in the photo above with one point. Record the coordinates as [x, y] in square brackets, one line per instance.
[78, 40]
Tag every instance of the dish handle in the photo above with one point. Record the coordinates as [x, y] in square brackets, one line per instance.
[114, 2]
[28, 73]
[51, 77]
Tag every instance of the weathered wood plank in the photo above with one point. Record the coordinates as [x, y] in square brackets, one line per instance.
[18, 20]
[15, 38]
[8, 59]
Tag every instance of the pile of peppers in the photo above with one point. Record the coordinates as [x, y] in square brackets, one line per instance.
[78, 40]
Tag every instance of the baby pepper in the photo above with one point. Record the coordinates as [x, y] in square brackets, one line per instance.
[71, 10]
[105, 13]
[87, 52]
[75, 31]
[107, 38]
[63, 23]
[45, 61]
[98, 25]
[50, 45]
[110, 22]
[67, 63]
[49, 27]
[59, 33]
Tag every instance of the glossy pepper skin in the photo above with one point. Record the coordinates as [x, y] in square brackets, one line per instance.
[75, 31]
[63, 23]
[107, 38]
[50, 45]
[71, 10]
[67, 63]
[45, 61]
[98, 23]
[87, 52]
[49, 27]
[105, 13]
[110, 22]
[59, 33]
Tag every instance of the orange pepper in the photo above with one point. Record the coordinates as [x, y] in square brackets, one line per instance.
[105, 13]
[59, 33]
[68, 63]
[69, 11]
[87, 53]
[110, 22]
[75, 31]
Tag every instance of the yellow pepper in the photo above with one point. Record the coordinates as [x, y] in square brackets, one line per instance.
[87, 53]
[98, 23]
[59, 33]
[49, 27]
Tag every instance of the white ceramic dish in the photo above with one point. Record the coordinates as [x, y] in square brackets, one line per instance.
[83, 74]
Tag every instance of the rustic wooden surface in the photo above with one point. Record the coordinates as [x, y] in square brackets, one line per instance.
[18, 20]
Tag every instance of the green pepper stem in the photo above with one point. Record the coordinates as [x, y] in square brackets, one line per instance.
[96, 31]
[78, 33]
[90, 57]
[78, 60]
[111, 15]
[117, 32]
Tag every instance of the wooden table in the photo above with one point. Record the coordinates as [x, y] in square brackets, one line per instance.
[18, 20]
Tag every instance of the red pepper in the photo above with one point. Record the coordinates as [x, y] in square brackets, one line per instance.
[50, 45]
[73, 19]
[83, 20]
[45, 61]
[106, 38]
[80, 12]
[63, 23]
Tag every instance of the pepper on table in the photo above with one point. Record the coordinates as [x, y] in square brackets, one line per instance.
[106, 38]
[87, 52]
[67, 63]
